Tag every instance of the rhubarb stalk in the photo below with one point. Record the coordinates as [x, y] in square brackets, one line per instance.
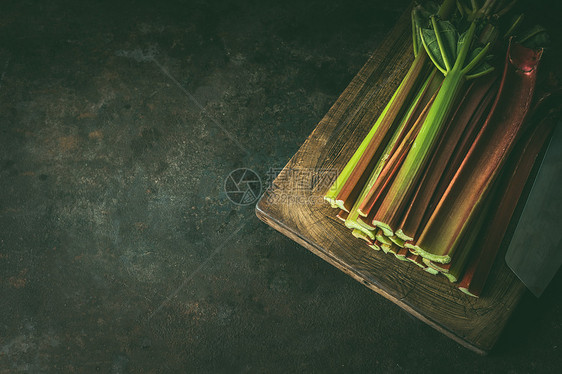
[348, 185]
[485, 158]
[351, 220]
[442, 45]
[518, 169]
[448, 145]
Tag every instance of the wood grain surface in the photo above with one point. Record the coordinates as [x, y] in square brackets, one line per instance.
[294, 206]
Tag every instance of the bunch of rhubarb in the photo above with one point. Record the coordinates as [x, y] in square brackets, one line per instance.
[437, 178]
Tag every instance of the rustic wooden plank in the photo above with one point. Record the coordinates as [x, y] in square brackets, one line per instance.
[295, 207]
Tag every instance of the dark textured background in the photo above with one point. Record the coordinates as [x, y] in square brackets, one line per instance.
[119, 250]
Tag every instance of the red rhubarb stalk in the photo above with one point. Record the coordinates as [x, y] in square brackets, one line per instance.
[448, 145]
[467, 139]
[517, 171]
[473, 180]
[352, 186]
[398, 154]
[342, 215]
[457, 71]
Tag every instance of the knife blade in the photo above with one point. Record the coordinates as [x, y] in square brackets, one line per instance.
[535, 251]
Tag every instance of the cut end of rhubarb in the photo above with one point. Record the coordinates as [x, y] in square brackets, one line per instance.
[399, 233]
[396, 240]
[375, 247]
[436, 265]
[340, 204]
[364, 224]
[452, 278]
[412, 248]
[466, 291]
[416, 260]
[394, 249]
[402, 253]
[355, 225]
[401, 258]
[442, 259]
[431, 270]
[331, 200]
[361, 213]
[383, 239]
[342, 216]
[359, 232]
[384, 227]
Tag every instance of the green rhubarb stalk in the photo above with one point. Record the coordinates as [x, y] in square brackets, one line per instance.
[401, 257]
[431, 270]
[352, 187]
[347, 186]
[386, 247]
[335, 189]
[401, 148]
[457, 127]
[397, 197]
[435, 266]
[418, 220]
[371, 202]
[470, 185]
[391, 248]
[352, 218]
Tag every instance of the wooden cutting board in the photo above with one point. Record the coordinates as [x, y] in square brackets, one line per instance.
[295, 207]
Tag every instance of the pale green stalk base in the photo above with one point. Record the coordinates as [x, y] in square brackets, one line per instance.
[355, 226]
[411, 247]
[434, 265]
[383, 239]
[414, 262]
[401, 258]
[384, 227]
[399, 233]
[452, 278]
[431, 270]
[396, 240]
[466, 291]
[364, 224]
[386, 247]
[442, 259]
[361, 235]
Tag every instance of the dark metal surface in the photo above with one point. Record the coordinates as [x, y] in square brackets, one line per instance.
[535, 251]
